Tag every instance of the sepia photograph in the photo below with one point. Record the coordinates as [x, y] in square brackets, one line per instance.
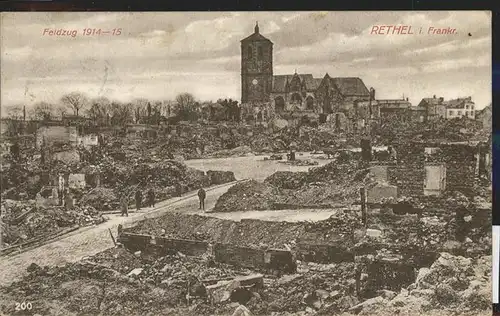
[247, 163]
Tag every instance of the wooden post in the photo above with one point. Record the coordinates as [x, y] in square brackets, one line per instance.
[358, 281]
[362, 192]
[112, 237]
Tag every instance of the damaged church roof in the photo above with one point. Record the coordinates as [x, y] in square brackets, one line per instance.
[280, 81]
[350, 86]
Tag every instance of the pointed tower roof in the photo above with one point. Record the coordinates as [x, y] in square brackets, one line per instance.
[256, 36]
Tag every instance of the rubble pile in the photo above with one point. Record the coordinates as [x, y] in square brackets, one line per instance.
[287, 179]
[316, 288]
[106, 282]
[319, 195]
[164, 271]
[435, 233]
[241, 151]
[88, 288]
[453, 284]
[330, 184]
[262, 143]
[246, 196]
[344, 223]
[220, 177]
[247, 232]
[317, 138]
[183, 285]
[337, 172]
[253, 232]
[24, 221]
[103, 199]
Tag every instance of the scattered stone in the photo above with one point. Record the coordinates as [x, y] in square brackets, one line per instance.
[135, 272]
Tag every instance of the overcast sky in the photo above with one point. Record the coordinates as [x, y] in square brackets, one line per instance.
[159, 55]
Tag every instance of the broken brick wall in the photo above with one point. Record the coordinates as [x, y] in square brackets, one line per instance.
[408, 174]
[281, 260]
[409, 178]
[460, 164]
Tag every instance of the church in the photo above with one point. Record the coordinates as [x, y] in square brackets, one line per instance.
[294, 95]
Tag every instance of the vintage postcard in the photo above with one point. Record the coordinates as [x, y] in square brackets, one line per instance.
[246, 163]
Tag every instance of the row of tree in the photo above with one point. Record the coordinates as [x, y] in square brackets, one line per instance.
[46, 111]
[105, 112]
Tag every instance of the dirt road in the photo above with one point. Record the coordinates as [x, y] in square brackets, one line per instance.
[91, 240]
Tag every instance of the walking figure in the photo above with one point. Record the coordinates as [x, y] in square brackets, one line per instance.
[201, 195]
[124, 205]
[151, 197]
[138, 199]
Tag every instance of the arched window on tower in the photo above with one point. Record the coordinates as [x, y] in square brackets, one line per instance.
[260, 53]
[249, 51]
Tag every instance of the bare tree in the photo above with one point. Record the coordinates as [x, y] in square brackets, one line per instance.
[75, 101]
[121, 114]
[14, 112]
[140, 108]
[61, 110]
[100, 110]
[43, 111]
[186, 106]
[185, 100]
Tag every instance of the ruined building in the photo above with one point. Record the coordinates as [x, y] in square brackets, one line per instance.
[279, 95]
[437, 108]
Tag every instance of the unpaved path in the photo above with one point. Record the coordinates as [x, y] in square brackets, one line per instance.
[88, 241]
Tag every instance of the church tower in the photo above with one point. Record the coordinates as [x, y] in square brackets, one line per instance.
[256, 68]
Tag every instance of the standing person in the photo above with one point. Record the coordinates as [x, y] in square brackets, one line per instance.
[124, 205]
[138, 199]
[151, 197]
[201, 195]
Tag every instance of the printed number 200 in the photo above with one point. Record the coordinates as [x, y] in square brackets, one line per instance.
[23, 306]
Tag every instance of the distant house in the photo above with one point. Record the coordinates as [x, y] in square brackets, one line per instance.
[418, 114]
[393, 109]
[435, 108]
[484, 116]
[460, 107]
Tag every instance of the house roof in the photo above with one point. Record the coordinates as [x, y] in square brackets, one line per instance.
[433, 101]
[486, 109]
[350, 86]
[458, 103]
[393, 103]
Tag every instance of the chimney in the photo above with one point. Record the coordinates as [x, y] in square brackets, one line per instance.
[372, 94]
[406, 99]
[434, 96]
